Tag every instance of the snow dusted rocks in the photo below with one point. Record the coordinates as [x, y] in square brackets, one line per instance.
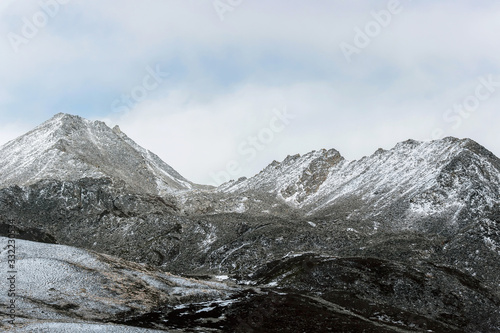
[407, 239]
[68, 147]
[448, 181]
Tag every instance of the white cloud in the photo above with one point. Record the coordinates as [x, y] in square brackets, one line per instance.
[227, 76]
[200, 138]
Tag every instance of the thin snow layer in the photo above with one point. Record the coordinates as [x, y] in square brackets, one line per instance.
[166, 175]
[411, 169]
[69, 147]
[281, 175]
[91, 286]
[79, 328]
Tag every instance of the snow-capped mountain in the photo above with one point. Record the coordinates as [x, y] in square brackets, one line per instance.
[69, 147]
[449, 178]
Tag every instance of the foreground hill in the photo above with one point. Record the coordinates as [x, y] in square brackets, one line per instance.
[65, 289]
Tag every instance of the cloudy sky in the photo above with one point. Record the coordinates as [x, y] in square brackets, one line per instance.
[222, 88]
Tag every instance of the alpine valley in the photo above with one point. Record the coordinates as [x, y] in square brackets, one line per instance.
[109, 238]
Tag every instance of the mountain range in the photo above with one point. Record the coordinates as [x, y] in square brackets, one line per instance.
[403, 240]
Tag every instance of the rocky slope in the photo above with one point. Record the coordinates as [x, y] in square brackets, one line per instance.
[404, 240]
[63, 285]
[449, 180]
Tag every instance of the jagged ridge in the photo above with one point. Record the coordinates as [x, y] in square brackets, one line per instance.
[413, 180]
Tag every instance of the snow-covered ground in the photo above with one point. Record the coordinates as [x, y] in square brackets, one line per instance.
[56, 283]
[79, 328]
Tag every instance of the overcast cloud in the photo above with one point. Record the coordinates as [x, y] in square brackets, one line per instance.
[227, 86]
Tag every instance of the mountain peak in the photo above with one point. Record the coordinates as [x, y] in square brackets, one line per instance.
[66, 119]
[437, 151]
[65, 116]
[295, 178]
[69, 147]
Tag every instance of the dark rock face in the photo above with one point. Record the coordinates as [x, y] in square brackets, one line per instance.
[422, 296]
[404, 240]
